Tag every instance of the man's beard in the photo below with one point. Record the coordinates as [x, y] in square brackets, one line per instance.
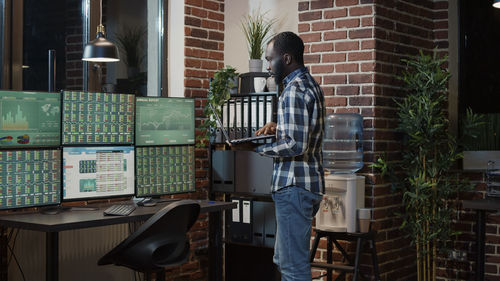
[278, 70]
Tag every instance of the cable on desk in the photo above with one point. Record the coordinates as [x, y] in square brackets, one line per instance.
[13, 246]
[17, 262]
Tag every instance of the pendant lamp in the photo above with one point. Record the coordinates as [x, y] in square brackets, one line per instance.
[496, 3]
[100, 49]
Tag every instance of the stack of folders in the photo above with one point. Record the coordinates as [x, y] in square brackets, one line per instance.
[244, 115]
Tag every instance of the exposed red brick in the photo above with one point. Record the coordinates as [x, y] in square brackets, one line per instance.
[347, 23]
[315, 69]
[368, 21]
[200, 13]
[336, 101]
[215, 35]
[335, 79]
[345, 2]
[335, 35]
[356, 56]
[312, 59]
[336, 13]
[347, 90]
[361, 33]
[324, 25]
[346, 46]
[308, 16]
[311, 37]
[321, 4]
[360, 78]
[303, 6]
[334, 57]
[368, 44]
[346, 67]
[360, 11]
[304, 27]
[211, 5]
[321, 47]
[216, 16]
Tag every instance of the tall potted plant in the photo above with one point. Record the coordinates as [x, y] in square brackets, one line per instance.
[218, 94]
[256, 29]
[424, 176]
[129, 41]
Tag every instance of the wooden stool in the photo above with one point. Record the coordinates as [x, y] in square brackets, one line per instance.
[352, 267]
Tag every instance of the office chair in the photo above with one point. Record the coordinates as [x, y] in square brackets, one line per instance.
[159, 243]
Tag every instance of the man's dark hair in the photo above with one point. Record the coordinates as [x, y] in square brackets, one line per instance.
[289, 43]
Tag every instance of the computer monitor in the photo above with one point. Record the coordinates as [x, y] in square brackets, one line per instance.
[30, 119]
[29, 178]
[98, 172]
[164, 121]
[162, 170]
[97, 118]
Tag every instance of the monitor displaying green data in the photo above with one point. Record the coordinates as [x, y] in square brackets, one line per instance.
[98, 118]
[164, 170]
[29, 119]
[97, 172]
[164, 121]
[29, 178]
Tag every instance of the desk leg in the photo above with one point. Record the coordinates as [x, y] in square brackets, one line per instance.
[480, 238]
[329, 257]
[215, 246]
[52, 256]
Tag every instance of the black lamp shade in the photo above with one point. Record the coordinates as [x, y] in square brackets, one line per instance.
[496, 3]
[100, 50]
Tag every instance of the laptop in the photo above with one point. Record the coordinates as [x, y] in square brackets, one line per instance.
[235, 141]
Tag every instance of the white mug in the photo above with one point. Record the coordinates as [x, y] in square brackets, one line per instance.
[259, 83]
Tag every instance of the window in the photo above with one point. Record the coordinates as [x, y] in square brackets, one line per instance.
[479, 70]
[36, 26]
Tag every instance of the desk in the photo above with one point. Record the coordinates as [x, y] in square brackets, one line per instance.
[70, 220]
[481, 206]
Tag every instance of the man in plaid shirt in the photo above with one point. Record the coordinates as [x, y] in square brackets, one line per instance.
[298, 178]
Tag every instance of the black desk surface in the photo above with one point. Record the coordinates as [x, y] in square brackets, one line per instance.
[487, 204]
[76, 219]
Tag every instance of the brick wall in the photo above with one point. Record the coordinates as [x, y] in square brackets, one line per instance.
[354, 48]
[204, 54]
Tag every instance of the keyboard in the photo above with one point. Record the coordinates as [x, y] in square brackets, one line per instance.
[119, 210]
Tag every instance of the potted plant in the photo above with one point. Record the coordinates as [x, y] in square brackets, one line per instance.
[256, 29]
[424, 175]
[130, 41]
[218, 94]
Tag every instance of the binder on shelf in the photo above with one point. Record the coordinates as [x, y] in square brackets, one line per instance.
[243, 115]
[241, 230]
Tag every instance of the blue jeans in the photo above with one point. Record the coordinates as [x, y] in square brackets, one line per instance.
[295, 209]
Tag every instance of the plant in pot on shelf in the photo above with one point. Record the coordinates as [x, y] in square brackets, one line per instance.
[130, 41]
[424, 176]
[256, 29]
[218, 93]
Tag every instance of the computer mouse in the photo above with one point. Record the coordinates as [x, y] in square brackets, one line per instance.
[149, 204]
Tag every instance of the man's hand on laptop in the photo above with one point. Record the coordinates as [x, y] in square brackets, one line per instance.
[245, 146]
[268, 129]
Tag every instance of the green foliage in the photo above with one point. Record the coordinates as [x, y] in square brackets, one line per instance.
[488, 137]
[424, 175]
[129, 42]
[256, 28]
[218, 94]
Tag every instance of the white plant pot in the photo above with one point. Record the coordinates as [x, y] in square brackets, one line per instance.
[255, 65]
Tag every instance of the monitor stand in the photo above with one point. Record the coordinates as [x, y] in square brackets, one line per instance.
[53, 210]
[152, 201]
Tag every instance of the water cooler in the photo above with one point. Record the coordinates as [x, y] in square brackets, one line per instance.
[342, 157]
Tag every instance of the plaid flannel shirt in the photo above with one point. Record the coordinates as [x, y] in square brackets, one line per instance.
[297, 151]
